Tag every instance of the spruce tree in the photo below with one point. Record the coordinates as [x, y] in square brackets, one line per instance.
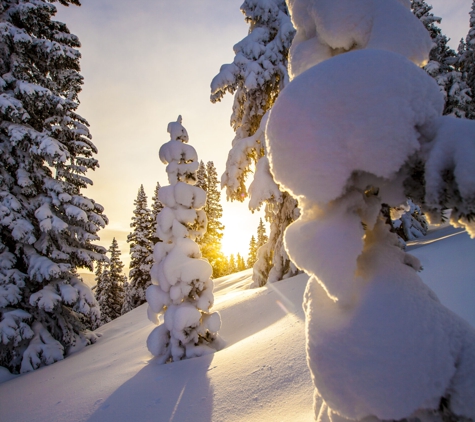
[182, 288]
[210, 242]
[157, 207]
[47, 226]
[443, 63]
[232, 268]
[201, 177]
[252, 255]
[240, 264]
[141, 254]
[466, 61]
[256, 76]
[110, 286]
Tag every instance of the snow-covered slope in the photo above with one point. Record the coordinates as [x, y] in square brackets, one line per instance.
[261, 375]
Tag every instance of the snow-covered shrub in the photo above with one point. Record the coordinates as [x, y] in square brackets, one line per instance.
[360, 125]
[409, 221]
[182, 288]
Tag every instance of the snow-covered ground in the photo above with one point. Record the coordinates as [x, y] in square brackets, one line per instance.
[261, 375]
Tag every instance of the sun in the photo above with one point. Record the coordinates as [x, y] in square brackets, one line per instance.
[240, 225]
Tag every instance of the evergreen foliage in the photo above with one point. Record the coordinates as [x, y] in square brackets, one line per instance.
[210, 242]
[232, 266]
[443, 63]
[47, 226]
[157, 207]
[252, 256]
[141, 254]
[409, 222]
[466, 62]
[256, 76]
[240, 263]
[110, 285]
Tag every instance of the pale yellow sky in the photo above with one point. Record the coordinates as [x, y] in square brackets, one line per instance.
[144, 63]
[147, 61]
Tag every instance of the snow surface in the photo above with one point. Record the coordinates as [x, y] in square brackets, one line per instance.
[261, 375]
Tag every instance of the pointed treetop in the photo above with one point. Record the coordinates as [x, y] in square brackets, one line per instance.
[177, 131]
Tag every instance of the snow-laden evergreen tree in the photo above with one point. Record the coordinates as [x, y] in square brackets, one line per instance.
[110, 285]
[409, 222]
[240, 263]
[443, 63]
[47, 225]
[141, 254]
[232, 267]
[157, 206]
[210, 242]
[360, 127]
[466, 61]
[255, 77]
[201, 177]
[182, 288]
[252, 255]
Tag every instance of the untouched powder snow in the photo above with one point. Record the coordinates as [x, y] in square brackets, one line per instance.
[261, 374]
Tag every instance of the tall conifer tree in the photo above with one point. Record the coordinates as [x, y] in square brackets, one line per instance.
[443, 63]
[110, 286]
[256, 76]
[47, 226]
[141, 253]
[252, 256]
[466, 61]
[210, 242]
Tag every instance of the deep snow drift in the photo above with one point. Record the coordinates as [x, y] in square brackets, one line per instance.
[261, 375]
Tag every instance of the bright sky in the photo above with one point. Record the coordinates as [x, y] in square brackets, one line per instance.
[144, 63]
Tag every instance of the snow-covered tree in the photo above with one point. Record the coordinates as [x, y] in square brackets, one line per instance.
[240, 263]
[201, 177]
[256, 76]
[360, 125]
[182, 288]
[210, 242]
[409, 222]
[466, 61]
[141, 254]
[252, 255]
[47, 225]
[157, 206]
[110, 285]
[443, 63]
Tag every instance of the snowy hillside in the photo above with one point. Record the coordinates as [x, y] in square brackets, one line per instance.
[261, 375]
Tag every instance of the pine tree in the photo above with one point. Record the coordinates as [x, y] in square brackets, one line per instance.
[261, 234]
[256, 76]
[210, 242]
[232, 268]
[201, 177]
[110, 286]
[410, 222]
[240, 264]
[141, 253]
[157, 207]
[182, 287]
[252, 256]
[443, 63]
[466, 61]
[47, 226]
